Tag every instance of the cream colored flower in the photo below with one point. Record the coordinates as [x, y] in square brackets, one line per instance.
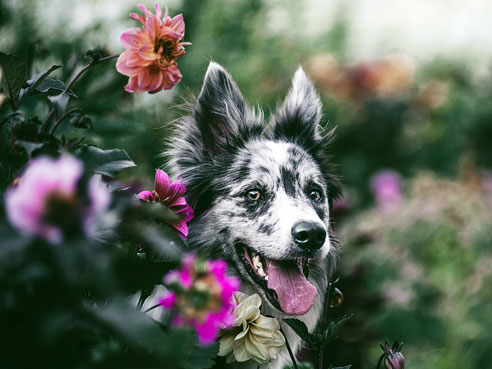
[254, 336]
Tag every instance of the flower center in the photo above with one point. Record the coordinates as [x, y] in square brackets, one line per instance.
[168, 49]
[61, 209]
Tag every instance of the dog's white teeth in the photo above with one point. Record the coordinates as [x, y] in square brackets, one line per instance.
[259, 266]
[261, 272]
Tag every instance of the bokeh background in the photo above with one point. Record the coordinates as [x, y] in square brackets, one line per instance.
[409, 87]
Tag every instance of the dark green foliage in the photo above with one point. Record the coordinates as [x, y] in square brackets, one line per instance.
[105, 162]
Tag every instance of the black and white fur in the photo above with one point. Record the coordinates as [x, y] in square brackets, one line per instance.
[223, 149]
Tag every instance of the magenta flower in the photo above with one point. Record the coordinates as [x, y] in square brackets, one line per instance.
[44, 203]
[151, 51]
[386, 186]
[202, 296]
[171, 195]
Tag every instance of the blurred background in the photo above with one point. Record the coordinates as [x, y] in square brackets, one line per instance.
[409, 87]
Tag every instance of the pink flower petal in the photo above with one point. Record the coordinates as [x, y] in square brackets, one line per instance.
[168, 300]
[145, 195]
[161, 183]
[182, 229]
[133, 38]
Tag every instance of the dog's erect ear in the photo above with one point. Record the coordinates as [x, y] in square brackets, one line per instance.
[297, 119]
[221, 114]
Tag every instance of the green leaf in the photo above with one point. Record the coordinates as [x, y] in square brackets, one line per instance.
[54, 84]
[105, 162]
[29, 147]
[330, 331]
[34, 82]
[299, 327]
[163, 241]
[13, 77]
[342, 367]
[202, 357]
[59, 103]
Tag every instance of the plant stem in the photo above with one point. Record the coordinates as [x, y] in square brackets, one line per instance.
[321, 352]
[57, 123]
[69, 86]
[292, 357]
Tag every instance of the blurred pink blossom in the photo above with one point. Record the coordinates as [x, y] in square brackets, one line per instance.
[386, 186]
[201, 294]
[171, 195]
[151, 51]
[48, 187]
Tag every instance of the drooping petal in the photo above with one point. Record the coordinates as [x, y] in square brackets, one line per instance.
[122, 64]
[182, 229]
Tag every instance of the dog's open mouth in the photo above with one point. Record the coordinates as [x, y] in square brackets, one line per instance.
[284, 281]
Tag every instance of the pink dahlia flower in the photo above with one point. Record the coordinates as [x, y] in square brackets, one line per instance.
[171, 195]
[44, 203]
[202, 296]
[151, 51]
[386, 186]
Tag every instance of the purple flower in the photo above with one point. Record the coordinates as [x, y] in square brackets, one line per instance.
[392, 357]
[201, 295]
[386, 186]
[44, 202]
[171, 195]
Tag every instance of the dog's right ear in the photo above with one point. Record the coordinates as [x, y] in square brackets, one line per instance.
[221, 114]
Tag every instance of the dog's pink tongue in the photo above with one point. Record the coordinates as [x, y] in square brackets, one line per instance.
[295, 294]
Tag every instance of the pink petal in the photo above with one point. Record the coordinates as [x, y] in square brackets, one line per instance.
[146, 52]
[132, 85]
[168, 300]
[122, 64]
[158, 12]
[208, 331]
[133, 38]
[161, 183]
[145, 195]
[138, 17]
[182, 229]
[177, 24]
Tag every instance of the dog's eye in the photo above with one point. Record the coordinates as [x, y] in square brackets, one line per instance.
[316, 195]
[253, 195]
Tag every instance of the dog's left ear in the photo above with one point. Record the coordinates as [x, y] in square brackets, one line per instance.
[298, 118]
[221, 113]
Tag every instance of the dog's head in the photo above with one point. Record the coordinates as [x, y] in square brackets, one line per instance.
[261, 193]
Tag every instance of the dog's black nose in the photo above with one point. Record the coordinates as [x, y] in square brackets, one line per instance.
[309, 236]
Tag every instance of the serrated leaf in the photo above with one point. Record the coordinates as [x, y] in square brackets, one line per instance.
[105, 162]
[34, 82]
[13, 77]
[54, 84]
[299, 327]
[59, 103]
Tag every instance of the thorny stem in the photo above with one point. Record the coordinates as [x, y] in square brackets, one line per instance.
[69, 86]
[289, 350]
[321, 352]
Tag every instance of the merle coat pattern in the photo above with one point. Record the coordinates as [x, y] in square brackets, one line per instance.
[228, 157]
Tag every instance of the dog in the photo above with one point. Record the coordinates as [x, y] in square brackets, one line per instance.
[262, 194]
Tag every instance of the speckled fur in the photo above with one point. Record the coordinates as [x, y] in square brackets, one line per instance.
[223, 149]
